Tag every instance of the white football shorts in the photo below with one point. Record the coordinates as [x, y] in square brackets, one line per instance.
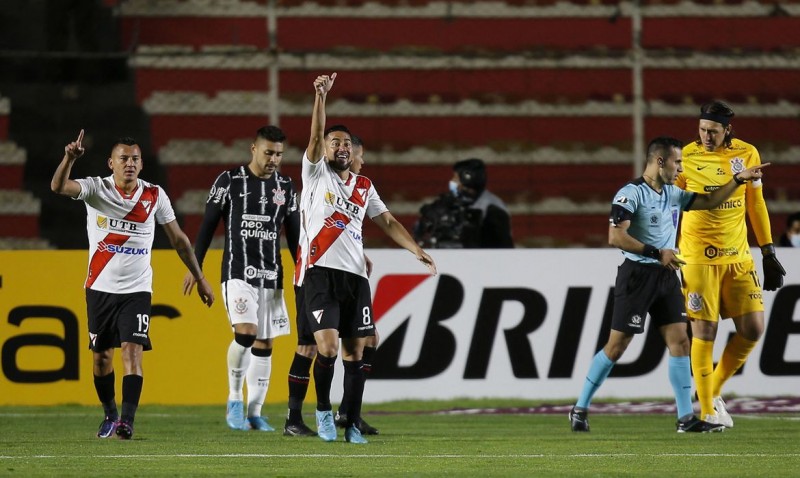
[247, 304]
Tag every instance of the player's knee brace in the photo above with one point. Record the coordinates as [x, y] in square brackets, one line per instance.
[245, 340]
[261, 352]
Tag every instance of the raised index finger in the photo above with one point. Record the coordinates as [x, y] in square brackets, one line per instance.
[80, 138]
[763, 165]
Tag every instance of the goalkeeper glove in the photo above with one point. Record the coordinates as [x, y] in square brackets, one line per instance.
[773, 270]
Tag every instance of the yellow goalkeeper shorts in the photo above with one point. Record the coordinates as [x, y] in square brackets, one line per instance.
[726, 290]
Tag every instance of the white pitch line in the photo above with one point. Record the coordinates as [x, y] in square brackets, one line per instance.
[438, 456]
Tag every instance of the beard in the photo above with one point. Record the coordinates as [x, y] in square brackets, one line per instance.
[339, 165]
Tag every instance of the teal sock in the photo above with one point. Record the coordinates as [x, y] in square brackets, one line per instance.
[680, 376]
[598, 372]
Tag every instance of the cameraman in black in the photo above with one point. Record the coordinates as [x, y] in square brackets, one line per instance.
[469, 216]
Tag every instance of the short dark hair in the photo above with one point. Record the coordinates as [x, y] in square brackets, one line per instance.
[126, 140]
[356, 140]
[723, 110]
[472, 173]
[662, 146]
[338, 127]
[271, 133]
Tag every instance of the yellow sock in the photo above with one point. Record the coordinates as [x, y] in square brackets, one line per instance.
[734, 356]
[703, 369]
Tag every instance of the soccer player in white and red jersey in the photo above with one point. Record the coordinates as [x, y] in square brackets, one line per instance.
[121, 213]
[331, 266]
[371, 344]
[300, 369]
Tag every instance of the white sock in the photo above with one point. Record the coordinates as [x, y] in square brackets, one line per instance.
[257, 384]
[238, 359]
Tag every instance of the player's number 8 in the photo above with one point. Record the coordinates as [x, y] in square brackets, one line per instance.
[366, 319]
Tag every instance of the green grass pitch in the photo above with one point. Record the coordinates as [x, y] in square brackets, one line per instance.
[416, 439]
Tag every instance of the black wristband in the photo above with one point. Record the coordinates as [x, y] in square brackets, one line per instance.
[738, 180]
[652, 252]
[768, 249]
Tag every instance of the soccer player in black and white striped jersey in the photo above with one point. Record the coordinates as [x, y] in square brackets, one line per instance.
[255, 201]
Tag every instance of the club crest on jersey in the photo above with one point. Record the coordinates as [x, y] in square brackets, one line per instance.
[694, 302]
[737, 165]
[240, 305]
[279, 196]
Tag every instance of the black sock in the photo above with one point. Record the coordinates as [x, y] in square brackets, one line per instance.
[299, 375]
[105, 392]
[353, 390]
[294, 416]
[366, 367]
[131, 391]
[347, 392]
[366, 357]
[323, 377]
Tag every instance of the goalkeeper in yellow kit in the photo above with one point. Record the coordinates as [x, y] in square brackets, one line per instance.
[720, 279]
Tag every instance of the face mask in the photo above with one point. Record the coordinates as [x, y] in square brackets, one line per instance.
[795, 240]
[453, 188]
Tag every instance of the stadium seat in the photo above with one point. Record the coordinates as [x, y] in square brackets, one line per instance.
[536, 94]
[5, 110]
[19, 214]
[503, 27]
[404, 124]
[12, 165]
[24, 243]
